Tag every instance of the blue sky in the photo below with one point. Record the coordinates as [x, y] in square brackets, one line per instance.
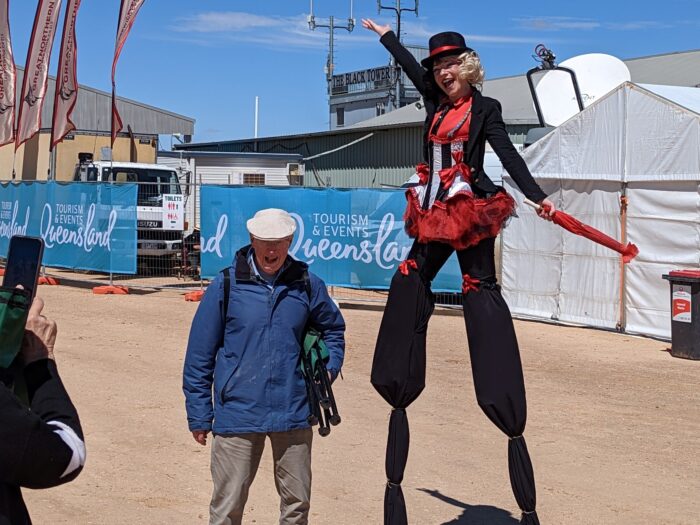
[209, 59]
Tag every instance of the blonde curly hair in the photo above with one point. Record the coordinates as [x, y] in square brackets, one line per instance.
[471, 69]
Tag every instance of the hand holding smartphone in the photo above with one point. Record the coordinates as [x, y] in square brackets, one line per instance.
[23, 263]
[22, 268]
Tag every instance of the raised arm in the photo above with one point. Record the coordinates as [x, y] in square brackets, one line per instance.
[404, 58]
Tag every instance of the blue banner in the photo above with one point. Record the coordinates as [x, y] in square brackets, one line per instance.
[84, 226]
[349, 237]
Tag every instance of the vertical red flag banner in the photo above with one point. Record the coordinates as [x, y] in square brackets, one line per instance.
[66, 78]
[8, 78]
[36, 70]
[127, 15]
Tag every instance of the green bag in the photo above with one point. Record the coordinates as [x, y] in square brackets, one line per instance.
[313, 339]
[14, 309]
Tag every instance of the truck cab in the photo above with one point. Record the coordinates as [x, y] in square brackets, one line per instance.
[154, 182]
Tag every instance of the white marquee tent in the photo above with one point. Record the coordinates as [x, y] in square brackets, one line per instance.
[639, 144]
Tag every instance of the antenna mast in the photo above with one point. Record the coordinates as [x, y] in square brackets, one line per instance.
[397, 89]
[332, 26]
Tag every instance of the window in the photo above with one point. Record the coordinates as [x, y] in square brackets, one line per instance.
[89, 174]
[295, 177]
[381, 108]
[254, 179]
[340, 116]
[123, 176]
[152, 183]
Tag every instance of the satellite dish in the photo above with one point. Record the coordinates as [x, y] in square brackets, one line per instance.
[597, 74]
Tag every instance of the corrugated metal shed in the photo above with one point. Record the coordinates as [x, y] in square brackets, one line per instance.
[356, 159]
[233, 159]
[93, 109]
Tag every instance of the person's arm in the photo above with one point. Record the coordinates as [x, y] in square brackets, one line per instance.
[497, 136]
[404, 58]
[42, 446]
[325, 316]
[203, 344]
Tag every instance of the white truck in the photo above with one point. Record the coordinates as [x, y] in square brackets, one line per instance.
[200, 168]
[160, 202]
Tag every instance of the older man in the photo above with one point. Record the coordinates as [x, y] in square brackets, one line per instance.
[241, 375]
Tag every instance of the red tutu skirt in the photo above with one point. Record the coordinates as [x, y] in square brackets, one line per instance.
[461, 221]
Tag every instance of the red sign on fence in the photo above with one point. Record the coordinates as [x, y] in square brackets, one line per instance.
[680, 304]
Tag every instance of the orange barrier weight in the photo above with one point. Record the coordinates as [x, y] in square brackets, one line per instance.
[194, 296]
[116, 290]
[43, 279]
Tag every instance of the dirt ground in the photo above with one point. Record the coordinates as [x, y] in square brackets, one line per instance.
[613, 428]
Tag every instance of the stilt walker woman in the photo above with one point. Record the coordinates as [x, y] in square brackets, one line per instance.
[453, 205]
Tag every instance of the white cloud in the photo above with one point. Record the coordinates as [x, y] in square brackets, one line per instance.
[275, 32]
[218, 22]
[293, 32]
[636, 25]
[561, 23]
[418, 33]
[557, 23]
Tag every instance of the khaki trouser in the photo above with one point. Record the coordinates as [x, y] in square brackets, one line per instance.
[234, 463]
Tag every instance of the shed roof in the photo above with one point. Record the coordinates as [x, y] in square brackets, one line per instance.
[193, 154]
[93, 108]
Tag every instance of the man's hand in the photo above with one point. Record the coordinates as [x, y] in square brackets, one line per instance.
[368, 23]
[200, 436]
[39, 335]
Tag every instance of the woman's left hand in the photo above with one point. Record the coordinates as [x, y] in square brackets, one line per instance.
[546, 209]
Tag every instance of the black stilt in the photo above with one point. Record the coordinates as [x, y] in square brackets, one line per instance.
[498, 377]
[396, 458]
[398, 374]
[398, 368]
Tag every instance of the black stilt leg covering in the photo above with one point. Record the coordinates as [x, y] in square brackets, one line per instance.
[498, 380]
[396, 458]
[398, 367]
[522, 479]
[398, 374]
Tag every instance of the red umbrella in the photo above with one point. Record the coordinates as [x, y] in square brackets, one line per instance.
[575, 226]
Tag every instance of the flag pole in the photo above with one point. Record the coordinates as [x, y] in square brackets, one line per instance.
[112, 138]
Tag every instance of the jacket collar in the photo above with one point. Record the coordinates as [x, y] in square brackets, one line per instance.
[292, 270]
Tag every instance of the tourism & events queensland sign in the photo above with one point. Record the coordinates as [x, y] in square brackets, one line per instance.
[349, 237]
[84, 226]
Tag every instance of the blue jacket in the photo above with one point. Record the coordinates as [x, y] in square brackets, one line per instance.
[243, 375]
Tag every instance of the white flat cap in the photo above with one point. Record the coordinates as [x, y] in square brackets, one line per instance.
[271, 224]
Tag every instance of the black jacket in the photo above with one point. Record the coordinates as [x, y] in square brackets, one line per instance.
[32, 454]
[486, 124]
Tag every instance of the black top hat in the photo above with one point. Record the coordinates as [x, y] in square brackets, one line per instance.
[443, 44]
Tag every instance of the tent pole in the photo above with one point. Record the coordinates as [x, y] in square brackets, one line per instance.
[622, 321]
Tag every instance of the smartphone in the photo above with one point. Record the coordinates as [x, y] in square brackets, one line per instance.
[23, 263]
